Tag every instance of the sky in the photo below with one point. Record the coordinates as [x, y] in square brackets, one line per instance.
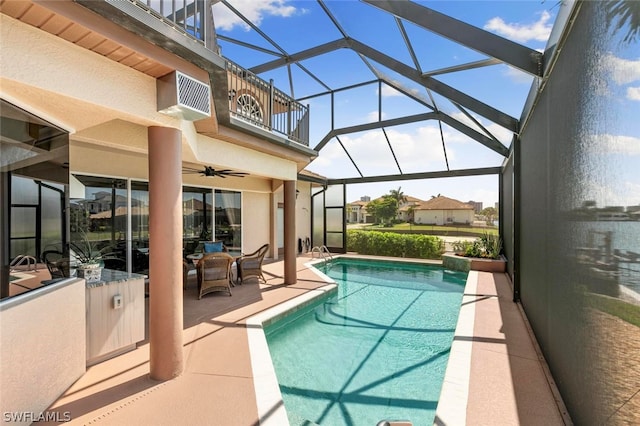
[418, 147]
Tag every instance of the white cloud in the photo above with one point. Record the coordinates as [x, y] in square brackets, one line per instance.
[625, 193]
[389, 91]
[623, 71]
[418, 150]
[518, 76]
[503, 135]
[373, 116]
[614, 144]
[633, 93]
[538, 31]
[254, 10]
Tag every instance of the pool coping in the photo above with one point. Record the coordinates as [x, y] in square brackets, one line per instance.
[271, 409]
[455, 387]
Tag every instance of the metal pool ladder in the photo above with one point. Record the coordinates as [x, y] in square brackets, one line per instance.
[323, 253]
[23, 259]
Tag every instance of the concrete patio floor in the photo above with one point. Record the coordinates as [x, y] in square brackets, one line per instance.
[506, 382]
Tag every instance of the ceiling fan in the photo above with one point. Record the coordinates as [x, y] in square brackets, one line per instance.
[209, 171]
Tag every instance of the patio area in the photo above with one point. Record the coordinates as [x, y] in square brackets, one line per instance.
[505, 374]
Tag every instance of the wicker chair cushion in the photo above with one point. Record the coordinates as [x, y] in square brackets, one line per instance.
[213, 246]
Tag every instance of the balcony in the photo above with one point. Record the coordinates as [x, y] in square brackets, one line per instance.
[248, 98]
[258, 102]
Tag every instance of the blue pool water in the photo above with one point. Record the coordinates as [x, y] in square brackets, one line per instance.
[375, 350]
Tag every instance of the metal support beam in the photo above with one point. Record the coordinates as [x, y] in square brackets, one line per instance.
[431, 83]
[439, 87]
[301, 56]
[391, 149]
[451, 122]
[475, 135]
[517, 218]
[414, 176]
[375, 125]
[514, 54]
[463, 67]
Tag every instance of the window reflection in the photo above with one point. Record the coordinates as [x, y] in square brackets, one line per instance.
[229, 220]
[196, 218]
[140, 227]
[34, 175]
[101, 216]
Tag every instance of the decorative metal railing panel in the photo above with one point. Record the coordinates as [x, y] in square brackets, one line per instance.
[258, 102]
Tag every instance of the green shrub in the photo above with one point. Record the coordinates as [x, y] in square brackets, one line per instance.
[492, 245]
[395, 245]
[488, 246]
[474, 249]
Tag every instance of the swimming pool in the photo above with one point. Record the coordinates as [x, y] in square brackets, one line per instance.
[377, 349]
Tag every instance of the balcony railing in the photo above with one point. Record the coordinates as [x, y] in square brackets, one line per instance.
[251, 99]
[190, 17]
[258, 102]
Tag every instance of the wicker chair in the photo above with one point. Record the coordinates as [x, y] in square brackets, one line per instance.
[214, 273]
[250, 265]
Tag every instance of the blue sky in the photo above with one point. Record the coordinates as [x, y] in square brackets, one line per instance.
[298, 25]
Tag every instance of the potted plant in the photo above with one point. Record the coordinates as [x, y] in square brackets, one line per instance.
[482, 254]
[89, 259]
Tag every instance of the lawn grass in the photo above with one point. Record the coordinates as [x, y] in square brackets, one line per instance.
[435, 229]
[616, 307]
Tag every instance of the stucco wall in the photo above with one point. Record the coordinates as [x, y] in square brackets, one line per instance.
[303, 211]
[440, 217]
[42, 341]
[256, 218]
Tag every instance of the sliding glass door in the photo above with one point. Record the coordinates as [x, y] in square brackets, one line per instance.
[228, 219]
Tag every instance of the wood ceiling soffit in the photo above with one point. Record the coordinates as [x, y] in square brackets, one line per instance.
[91, 40]
[56, 24]
[15, 9]
[36, 16]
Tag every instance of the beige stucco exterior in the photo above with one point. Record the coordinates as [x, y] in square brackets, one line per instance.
[443, 217]
[43, 347]
[108, 107]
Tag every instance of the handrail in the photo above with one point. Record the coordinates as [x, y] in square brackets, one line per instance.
[18, 261]
[323, 253]
[326, 250]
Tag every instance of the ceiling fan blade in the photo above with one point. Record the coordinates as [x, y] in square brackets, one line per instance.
[209, 171]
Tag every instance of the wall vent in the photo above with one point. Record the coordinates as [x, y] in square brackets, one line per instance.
[184, 97]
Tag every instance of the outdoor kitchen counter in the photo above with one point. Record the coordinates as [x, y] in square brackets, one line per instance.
[115, 314]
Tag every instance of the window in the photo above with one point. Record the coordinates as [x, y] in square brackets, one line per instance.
[101, 215]
[228, 219]
[34, 179]
[197, 208]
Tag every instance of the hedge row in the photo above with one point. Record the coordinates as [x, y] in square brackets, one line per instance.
[396, 245]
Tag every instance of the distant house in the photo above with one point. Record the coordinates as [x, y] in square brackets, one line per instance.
[406, 208]
[357, 211]
[442, 210]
